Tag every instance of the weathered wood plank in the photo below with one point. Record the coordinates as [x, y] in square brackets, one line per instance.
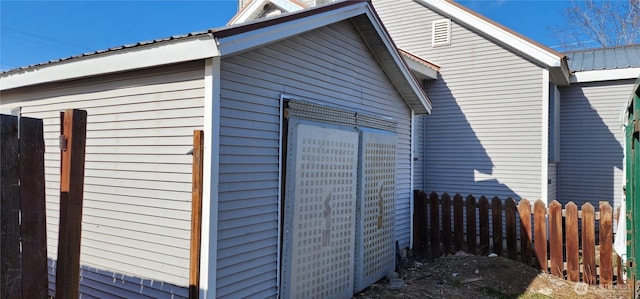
[420, 223]
[496, 215]
[74, 130]
[571, 228]
[483, 206]
[196, 214]
[540, 234]
[458, 222]
[606, 244]
[32, 196]
[434, 227]
[555, 239]
[471, 224]
[446, 223]
[588, 244]
[524, 210]
[510, 219]
[10, 256]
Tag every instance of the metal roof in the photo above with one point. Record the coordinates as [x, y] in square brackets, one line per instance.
[604, 58]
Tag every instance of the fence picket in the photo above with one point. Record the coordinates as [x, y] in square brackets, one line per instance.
[571, 226]
[606, 244]
[555, 239]
[484, 225]
[446, 223]
[524, 209]
[510, 218]
[471, 224]
[550, 234]
[420, 222]
[458, 221]
[540, 234]
[588, 244]
[435, 225]
[496, 213]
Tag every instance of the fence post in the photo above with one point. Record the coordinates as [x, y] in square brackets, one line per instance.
[588, 244]
[555, 239]
[196, 214]
[32, 196]
[496, 214]
[74, 130]
[446, 223]
[10, 256]
[606, 244]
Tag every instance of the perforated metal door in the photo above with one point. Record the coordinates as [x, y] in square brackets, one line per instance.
[320, 210]
[375, 238]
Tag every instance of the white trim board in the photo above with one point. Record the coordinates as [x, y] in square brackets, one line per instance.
[605, 75]
[154, 54]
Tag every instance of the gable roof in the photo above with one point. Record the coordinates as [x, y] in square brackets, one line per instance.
[232, 40]
[555, 61]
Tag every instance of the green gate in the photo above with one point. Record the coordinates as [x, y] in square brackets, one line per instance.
[632, 193]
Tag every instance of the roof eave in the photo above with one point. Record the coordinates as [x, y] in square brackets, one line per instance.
[153, 54]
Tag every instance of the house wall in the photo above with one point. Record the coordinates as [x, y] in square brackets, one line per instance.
[591, 141]
[137, 193]
[332, 66]
[485, 134]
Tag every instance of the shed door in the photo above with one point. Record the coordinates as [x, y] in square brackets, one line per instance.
[320, 211]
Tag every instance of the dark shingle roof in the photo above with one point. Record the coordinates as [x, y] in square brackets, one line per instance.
[604, 58]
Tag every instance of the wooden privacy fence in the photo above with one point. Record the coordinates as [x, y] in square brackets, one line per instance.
[570, 248]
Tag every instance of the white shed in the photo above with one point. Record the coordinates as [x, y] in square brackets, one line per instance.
[308, 156]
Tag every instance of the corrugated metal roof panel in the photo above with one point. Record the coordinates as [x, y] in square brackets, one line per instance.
[604, 58]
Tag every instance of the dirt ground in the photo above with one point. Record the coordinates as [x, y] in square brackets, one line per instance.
[465, 276]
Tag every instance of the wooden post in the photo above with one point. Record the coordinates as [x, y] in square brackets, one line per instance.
[73, 141]
[446, 223]
[196, 214]
[32, 196]
[10, 256]
[540, 234]
[555, 239]
[573, 258]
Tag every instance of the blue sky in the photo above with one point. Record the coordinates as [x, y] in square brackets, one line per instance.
[38, 31]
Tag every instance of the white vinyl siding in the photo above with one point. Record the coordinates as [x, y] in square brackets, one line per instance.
[419, 162]
[331, 66]
[591, 141]
[484, 136]
[137, 193]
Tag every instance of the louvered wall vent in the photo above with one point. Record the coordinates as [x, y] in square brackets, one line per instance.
[441, 33]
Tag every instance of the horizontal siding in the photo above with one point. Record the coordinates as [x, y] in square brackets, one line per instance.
[137, 210]
[591, 141]
[331, 66]
[484, 136]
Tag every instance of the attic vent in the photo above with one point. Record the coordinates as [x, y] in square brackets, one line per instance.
[441, 33]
